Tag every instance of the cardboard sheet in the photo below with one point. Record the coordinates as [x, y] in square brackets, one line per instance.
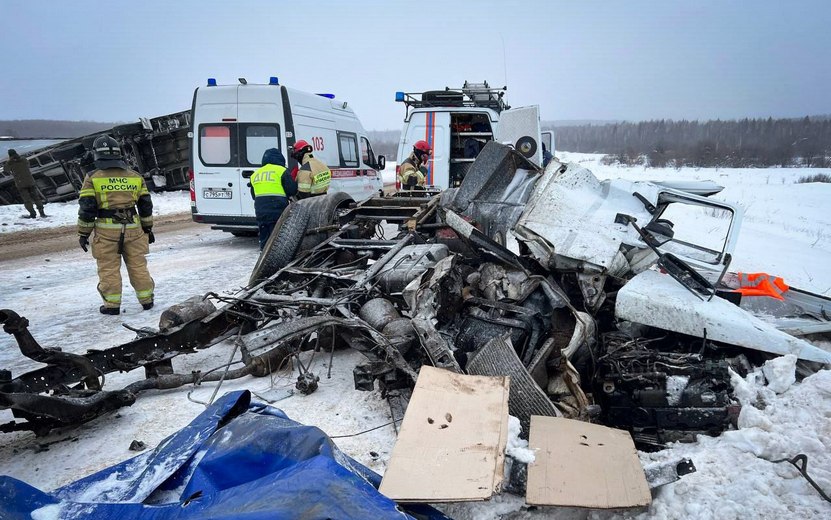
[579, 464]
[451, 446]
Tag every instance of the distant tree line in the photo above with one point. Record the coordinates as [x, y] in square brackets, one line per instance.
[385, 142]
[50, 128]
[743, 143]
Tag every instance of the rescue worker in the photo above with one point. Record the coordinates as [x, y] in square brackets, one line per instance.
[271, 186]
[410, 175]
[313, 177]
[19, 168]
[115, 204]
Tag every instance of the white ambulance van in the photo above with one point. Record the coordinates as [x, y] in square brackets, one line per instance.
[458, 122]
[232, 125]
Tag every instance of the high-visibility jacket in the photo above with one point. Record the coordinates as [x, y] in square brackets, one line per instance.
[110, 191]
[762, 284]
[409, 174]
[313, 177]
[268, 180]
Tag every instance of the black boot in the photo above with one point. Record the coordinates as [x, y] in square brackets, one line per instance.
[109, 310]
[42, 214]
[31, 215]
[147, 306]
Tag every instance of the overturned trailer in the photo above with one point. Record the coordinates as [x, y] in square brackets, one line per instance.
[157, 148]
[584, 292]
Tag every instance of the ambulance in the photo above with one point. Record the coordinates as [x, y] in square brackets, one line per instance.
[232, 125]
[457, 123]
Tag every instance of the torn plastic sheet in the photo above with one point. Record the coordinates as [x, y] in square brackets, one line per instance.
[655, 299]
[237, 459]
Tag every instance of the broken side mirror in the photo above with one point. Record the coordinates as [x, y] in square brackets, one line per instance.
[382, 162]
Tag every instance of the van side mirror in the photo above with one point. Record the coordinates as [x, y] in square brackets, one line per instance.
[382, 162]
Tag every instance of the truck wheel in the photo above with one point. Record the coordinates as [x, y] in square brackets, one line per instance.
[324, 212]
[284, 241]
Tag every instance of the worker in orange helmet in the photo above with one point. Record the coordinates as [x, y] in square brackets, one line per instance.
[313, 177]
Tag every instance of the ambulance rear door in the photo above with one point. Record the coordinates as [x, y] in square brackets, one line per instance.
[216, 155]
[260, 126]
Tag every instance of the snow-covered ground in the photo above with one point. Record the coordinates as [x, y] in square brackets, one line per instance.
[66, 213]
[786, 232]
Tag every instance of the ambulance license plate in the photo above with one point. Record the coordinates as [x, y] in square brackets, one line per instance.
[219, 193]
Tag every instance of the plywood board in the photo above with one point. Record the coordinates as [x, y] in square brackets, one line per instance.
[580, 464]
[451, 446]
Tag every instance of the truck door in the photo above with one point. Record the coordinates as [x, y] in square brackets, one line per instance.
[216, 163]
[520, 128]
[261, 126]
[432, 127]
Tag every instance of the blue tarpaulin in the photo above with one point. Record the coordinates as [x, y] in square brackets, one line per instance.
[238, 459]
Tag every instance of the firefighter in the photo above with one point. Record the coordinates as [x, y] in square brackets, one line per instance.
[411, 175]
[271, 187]
[19, 168]
[115, 204]
[313, 177]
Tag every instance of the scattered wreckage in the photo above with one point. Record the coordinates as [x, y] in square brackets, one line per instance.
[584, 292]
[157, 148]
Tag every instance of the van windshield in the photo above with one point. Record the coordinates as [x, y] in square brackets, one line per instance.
[235, 145]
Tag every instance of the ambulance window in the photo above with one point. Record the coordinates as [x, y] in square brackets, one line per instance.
[366, 152]
[258, 139]
[215, 144]
[348, 147]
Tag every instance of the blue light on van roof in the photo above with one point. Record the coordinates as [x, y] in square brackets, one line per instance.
[211, 82]
[399, 96]
[273, 80]
[330, 96]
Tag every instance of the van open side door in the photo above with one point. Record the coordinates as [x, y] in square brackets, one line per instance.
[520, 128]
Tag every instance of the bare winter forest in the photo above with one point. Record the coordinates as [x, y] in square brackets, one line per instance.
[738, 144]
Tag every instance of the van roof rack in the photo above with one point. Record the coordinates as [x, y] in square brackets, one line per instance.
[479, 95]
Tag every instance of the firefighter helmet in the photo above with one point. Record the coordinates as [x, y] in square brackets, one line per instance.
[300, 149]
[422, 146]
[105, 148]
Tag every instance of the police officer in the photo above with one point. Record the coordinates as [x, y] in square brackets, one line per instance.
[19, 168]
[313, 177]
[115, 204]
[271, 187]
[410, 175]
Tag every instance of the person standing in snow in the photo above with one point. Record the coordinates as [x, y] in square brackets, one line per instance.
[271, 186]
[410, 175]
[312, 176]
[24, 182]
[114, 202]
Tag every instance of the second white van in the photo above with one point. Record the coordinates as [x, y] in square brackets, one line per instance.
[457, 123]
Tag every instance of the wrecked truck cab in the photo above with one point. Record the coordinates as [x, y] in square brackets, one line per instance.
[571, 222]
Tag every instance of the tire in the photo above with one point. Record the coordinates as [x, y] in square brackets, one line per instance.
[284, 241]
[323, 213]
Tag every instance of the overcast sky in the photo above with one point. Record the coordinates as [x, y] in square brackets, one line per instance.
[632, 60]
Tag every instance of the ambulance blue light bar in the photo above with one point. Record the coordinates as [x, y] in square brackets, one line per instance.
[273, 80]
[399, 96]
[211, 82]
[330, 96]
